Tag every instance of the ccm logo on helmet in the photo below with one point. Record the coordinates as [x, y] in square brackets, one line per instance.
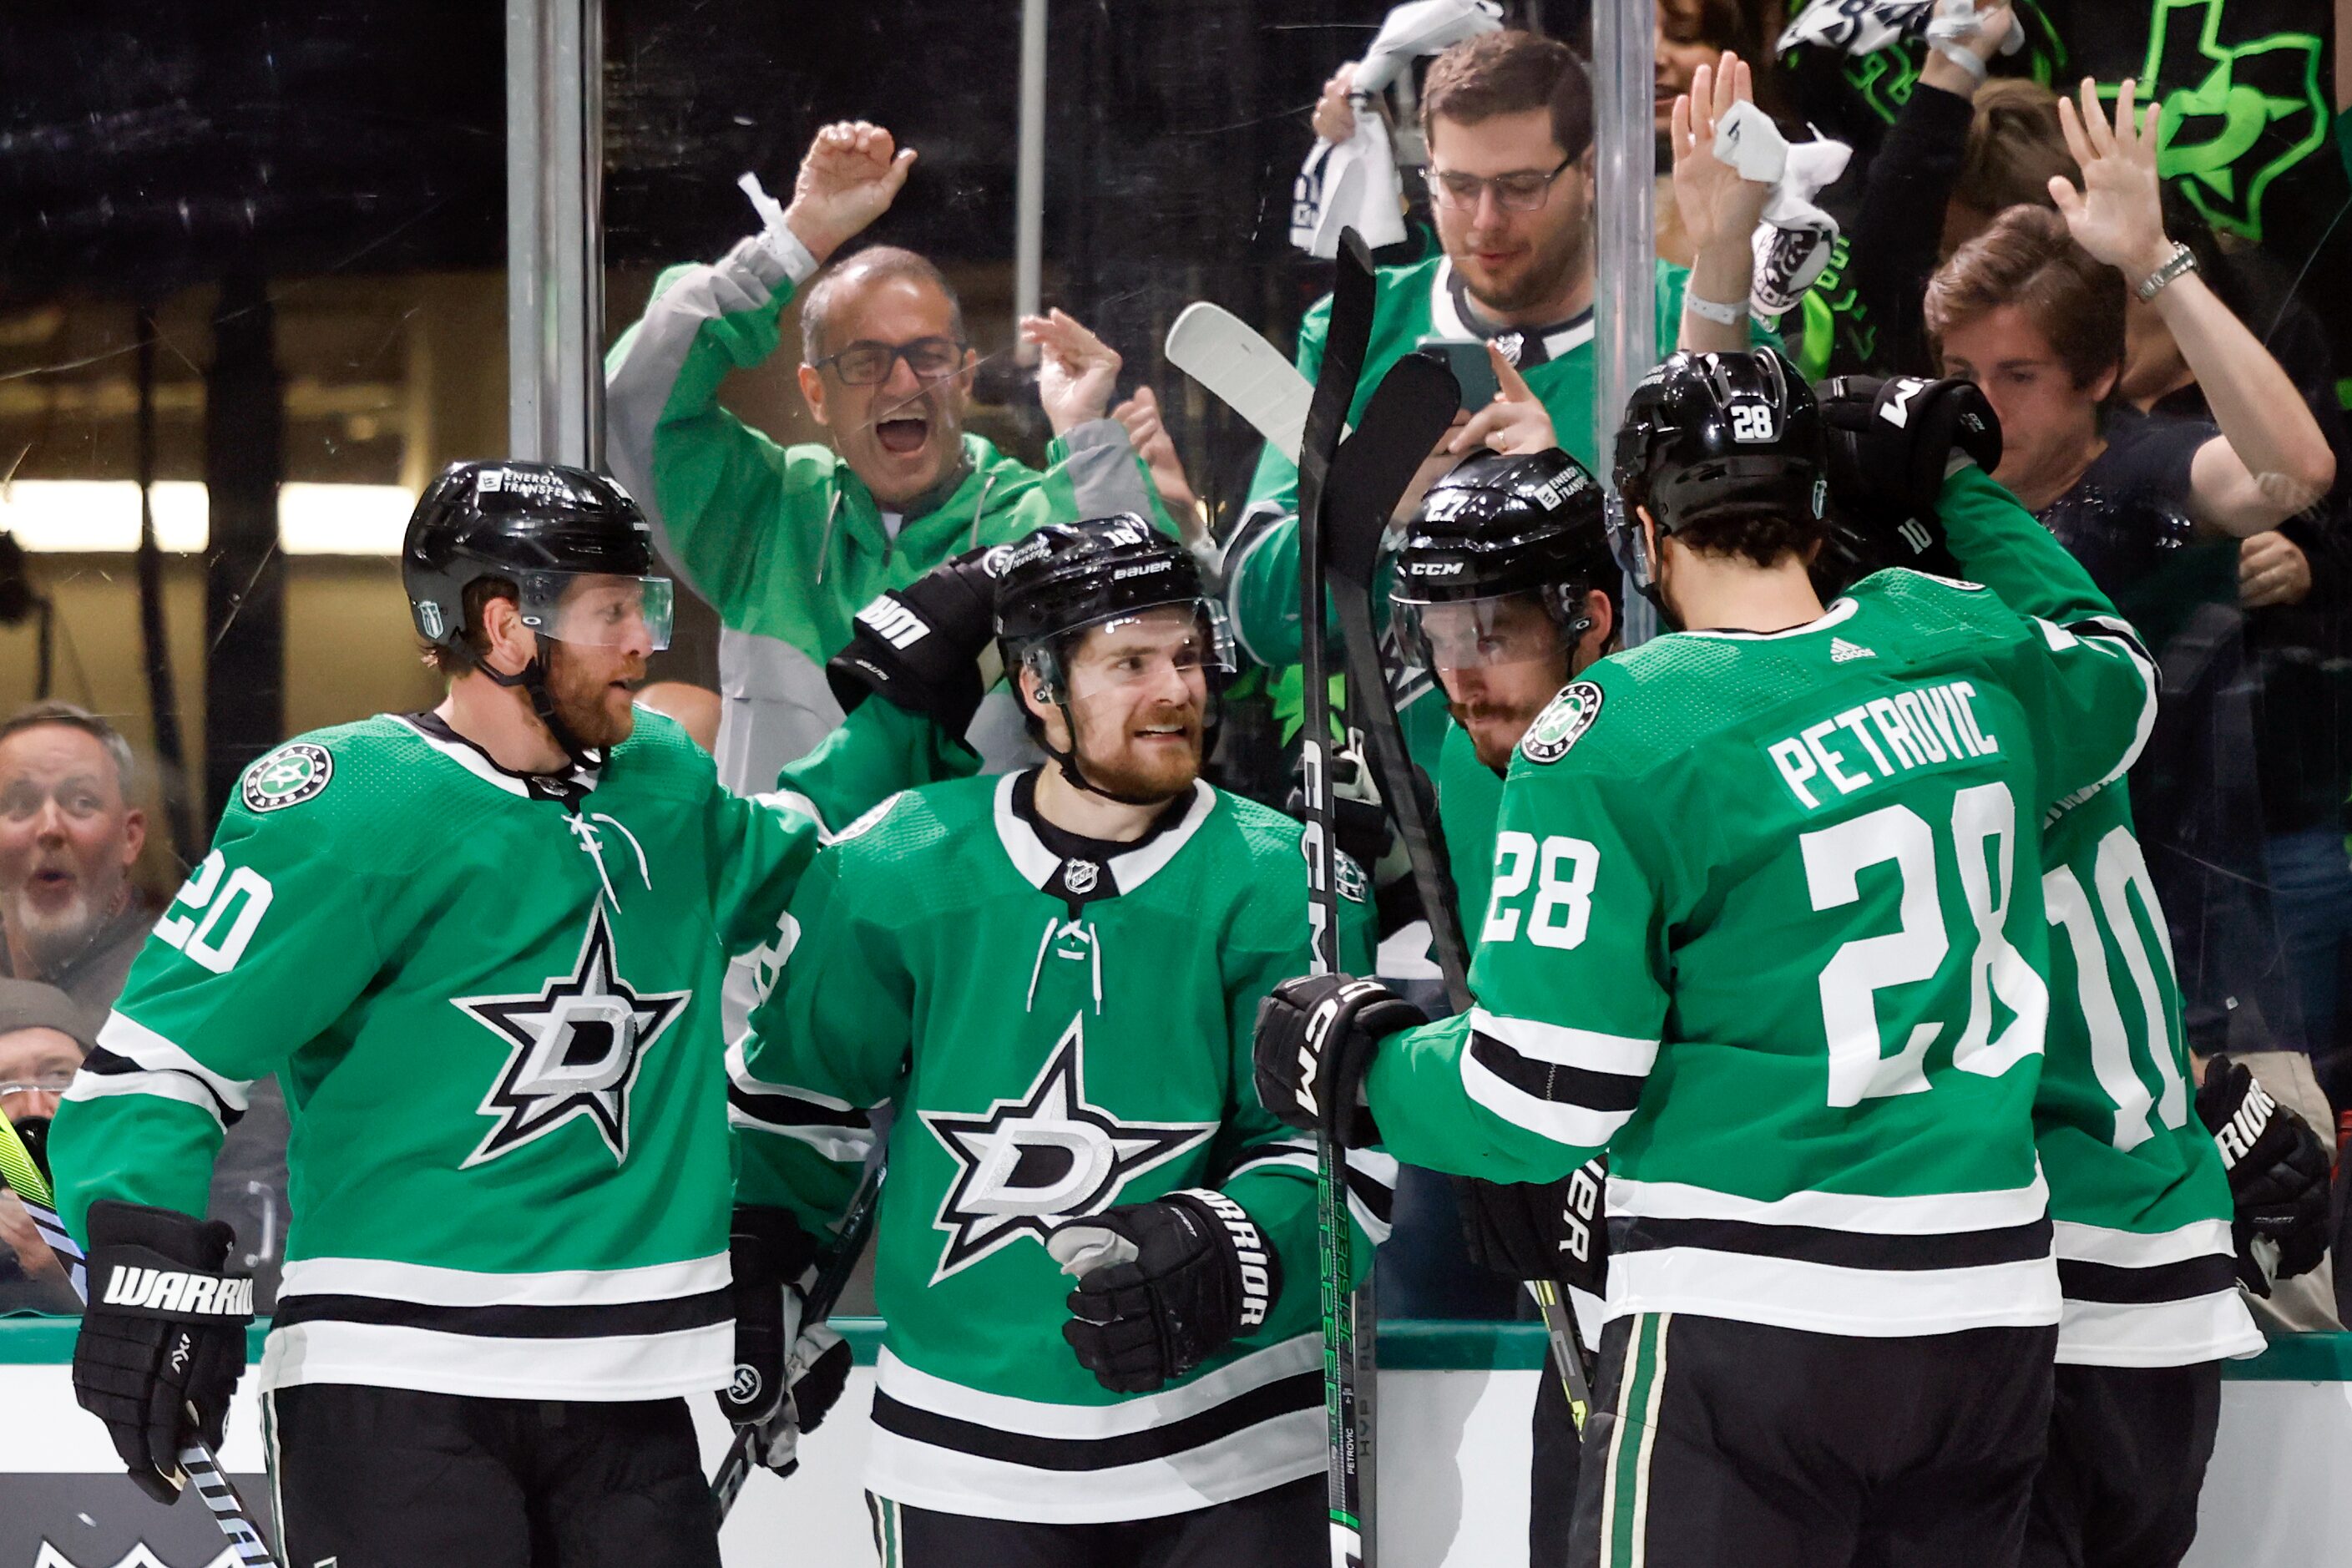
[1433, 568]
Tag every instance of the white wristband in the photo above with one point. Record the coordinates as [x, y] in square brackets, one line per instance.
[775, 236]
[1709, 310]
[1961, 56]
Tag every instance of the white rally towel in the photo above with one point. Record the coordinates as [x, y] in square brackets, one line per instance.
[1792, 243]
[1870, 27]
[1354, 182]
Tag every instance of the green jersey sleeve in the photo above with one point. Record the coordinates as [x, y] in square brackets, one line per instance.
[1568, 988]
[2089, 692]
[2003, 546]
[829, 1042]
[262, 949]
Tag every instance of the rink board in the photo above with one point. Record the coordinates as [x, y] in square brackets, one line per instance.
[1451, 1474]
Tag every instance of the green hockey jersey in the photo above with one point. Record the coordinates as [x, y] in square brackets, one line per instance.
[2138, 1200]
[786, 542]
[1764, 921]
[492, 1000]
[1058, 1029]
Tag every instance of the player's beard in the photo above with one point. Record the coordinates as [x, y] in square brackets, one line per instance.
[1118, 764]
[1494, 726]
[581, 682]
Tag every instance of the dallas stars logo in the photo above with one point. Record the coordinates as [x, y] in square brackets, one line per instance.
[574, 1048]
[1031, 1164]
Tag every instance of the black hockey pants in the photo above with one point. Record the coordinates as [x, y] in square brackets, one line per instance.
[1717, 1443]
[2128, 1447]
[390, 1478]
[1282, 1527]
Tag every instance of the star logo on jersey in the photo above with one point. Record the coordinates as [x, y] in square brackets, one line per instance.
[574, 1048]
[1562, 724]
[1028, 1165]
[287, 776]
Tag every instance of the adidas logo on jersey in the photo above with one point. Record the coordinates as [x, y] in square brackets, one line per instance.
[894, 623]
[164, 1290]
[1845, 652]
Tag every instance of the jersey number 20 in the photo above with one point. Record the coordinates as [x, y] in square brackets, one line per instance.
[215, 938]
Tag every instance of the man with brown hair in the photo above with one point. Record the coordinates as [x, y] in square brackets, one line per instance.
[1508, 119]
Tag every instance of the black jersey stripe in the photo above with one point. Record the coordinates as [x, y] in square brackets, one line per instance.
[1377, 1197]
[1610, 1091]
[609, 1319]
[114, 1064]
[771, 1109]
[1838, 1249]
[2183, 1280]
[1303, 1391]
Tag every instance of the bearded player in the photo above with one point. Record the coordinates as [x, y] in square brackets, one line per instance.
[1061, 1023]
[1767, 923]
[481, 948]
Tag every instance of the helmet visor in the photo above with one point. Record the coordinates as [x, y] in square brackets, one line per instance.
[1474, 633]
[597, 609]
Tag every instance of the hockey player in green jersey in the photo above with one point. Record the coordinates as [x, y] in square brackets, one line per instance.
[2139, 1200]
[481, 947]
[1765, 923]
[1061, 1023]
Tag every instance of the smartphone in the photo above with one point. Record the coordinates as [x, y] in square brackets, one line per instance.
[1466, 358]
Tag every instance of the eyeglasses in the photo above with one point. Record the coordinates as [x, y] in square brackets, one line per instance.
[866, 363]
[1521, 193]
[52, 1083]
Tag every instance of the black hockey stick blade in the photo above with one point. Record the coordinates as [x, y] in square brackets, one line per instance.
[1348, 334]
[832, 1277]
[1409, 410]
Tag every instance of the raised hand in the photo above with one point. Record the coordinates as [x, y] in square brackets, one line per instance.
[1076, 372]
[2117, 215]
[1149, 436]
[849, 178]
[1335, 117]
[1516, 424]
[1719, 209]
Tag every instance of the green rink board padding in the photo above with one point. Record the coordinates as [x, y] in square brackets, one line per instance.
[1415, 1346]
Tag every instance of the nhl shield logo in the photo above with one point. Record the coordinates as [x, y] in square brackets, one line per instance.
[1563, 723]
[1511, 345]
[287, 776]
[1078, 876]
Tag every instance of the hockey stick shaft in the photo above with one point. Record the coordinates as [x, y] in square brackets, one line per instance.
[1407, 413]
[197, 1463]
[832, 1277]
[1347, 334]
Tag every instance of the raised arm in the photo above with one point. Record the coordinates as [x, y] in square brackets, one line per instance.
[2271, 459]
[1720, 210]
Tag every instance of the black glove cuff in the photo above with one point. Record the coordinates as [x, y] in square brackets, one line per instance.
[768, 1246]
[1253, 1266]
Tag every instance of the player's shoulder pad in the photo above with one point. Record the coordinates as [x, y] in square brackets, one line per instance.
[919, 821]
[1277, 841]
[658, 744]
[322, 766]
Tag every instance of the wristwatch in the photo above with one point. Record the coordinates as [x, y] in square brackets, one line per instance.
[2182, 260]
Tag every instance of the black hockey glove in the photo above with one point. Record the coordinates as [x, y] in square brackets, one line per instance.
[1360, 822]
[1538, 1230]
[2278, 1176]
[1164, 1286]
[787, 1373]
[1314, 1045]
[921, 646]
[1890, 443]
[162, 1338]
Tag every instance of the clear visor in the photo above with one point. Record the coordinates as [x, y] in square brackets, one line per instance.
[1165, 642]
[1472, 634]
[597, 609]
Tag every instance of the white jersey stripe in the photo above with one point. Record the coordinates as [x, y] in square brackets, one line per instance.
[135, 1042]
[1136, 1412]
[88, 1085]
[1826, 1299]
[2158, 1333]
[432, 1286]
[1573, 1125]
[2079, 1243]
[1931, 1213]
[1562, 1047]
[384, 1355]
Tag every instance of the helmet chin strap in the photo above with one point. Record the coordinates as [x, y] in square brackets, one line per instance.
[1068, 763]
[532, 679]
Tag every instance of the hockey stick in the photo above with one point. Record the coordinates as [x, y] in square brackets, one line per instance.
[197, 1464]
[832, 1276]
[1408, 412]
[1348, 333]
[1244, 371]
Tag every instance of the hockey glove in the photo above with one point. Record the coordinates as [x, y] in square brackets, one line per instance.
[1360, 822]
[1164, 1286]
[162, 1338]
[922, 645]
[2278, 1176]
[788, 1372]
[1314, 1045]
[1538, 1230]
[1890, 445]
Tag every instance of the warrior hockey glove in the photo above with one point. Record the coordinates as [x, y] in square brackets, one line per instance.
[2278, 1176]
[787, 1373]
[921, 646]
[1538, 1230]
[162, 1338]
[1164, 1286]
[1891, 443]
[1314, 1045]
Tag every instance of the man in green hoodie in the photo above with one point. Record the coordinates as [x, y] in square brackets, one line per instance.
[788, 543]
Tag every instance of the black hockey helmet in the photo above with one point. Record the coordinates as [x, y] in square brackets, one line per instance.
[1064, 578]
[543, 528]
[1498, 527]
[1717, 436]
